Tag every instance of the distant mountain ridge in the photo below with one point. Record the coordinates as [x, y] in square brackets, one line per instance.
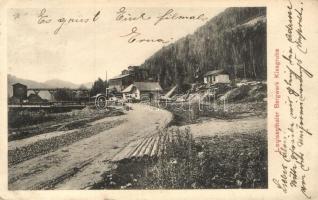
[53, 83]
[234, 40]
[57, 83]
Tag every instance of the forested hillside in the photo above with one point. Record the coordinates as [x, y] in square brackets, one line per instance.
[234, 40]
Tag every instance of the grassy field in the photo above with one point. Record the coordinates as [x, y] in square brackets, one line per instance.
[26, 123]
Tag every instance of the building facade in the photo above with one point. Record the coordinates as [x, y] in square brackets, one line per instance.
[143, 91]
[20, 91]
[217, 76]
[119, 83]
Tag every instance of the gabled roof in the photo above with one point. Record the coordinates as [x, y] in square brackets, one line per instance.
[148, 86]
[18, 84]
[215, 72]
[119, 76]
[144, 86]
[128, 89]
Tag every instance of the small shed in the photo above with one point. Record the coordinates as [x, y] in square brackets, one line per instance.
[20, 91]
[217, 76]
[142, 91]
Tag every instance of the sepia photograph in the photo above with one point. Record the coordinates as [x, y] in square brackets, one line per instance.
[137, 98]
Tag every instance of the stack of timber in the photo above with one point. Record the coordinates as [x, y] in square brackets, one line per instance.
[147, 148]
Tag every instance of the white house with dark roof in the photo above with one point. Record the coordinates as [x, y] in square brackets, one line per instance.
[142, 91]
[217, 76]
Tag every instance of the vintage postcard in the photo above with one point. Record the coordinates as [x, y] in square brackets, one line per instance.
[159, 100]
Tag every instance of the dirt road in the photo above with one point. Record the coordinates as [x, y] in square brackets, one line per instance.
[81, 164]
[212, 127]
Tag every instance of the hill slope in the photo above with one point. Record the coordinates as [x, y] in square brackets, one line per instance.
[234, 40]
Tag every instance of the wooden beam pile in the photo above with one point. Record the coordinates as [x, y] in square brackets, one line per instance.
[155, 145]
[149, 147]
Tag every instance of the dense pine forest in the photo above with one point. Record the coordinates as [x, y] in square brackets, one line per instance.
[234, 40]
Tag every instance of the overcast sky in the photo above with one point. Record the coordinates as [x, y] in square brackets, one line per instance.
[81, 52]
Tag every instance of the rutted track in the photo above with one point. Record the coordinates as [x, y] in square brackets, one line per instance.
[48, 145]
[80, 164]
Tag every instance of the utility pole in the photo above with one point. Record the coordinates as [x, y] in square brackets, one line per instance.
[106, 92]
[214, 98]
[244, 71]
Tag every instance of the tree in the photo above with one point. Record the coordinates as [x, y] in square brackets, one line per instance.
[63, 94]
[99, 86]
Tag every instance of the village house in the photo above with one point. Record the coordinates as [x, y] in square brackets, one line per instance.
[120, 82]
[19, 93]
[217, 76]
[127, 77]
[142, 91]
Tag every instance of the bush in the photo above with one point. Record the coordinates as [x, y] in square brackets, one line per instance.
[176, 167]
[237, 161]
